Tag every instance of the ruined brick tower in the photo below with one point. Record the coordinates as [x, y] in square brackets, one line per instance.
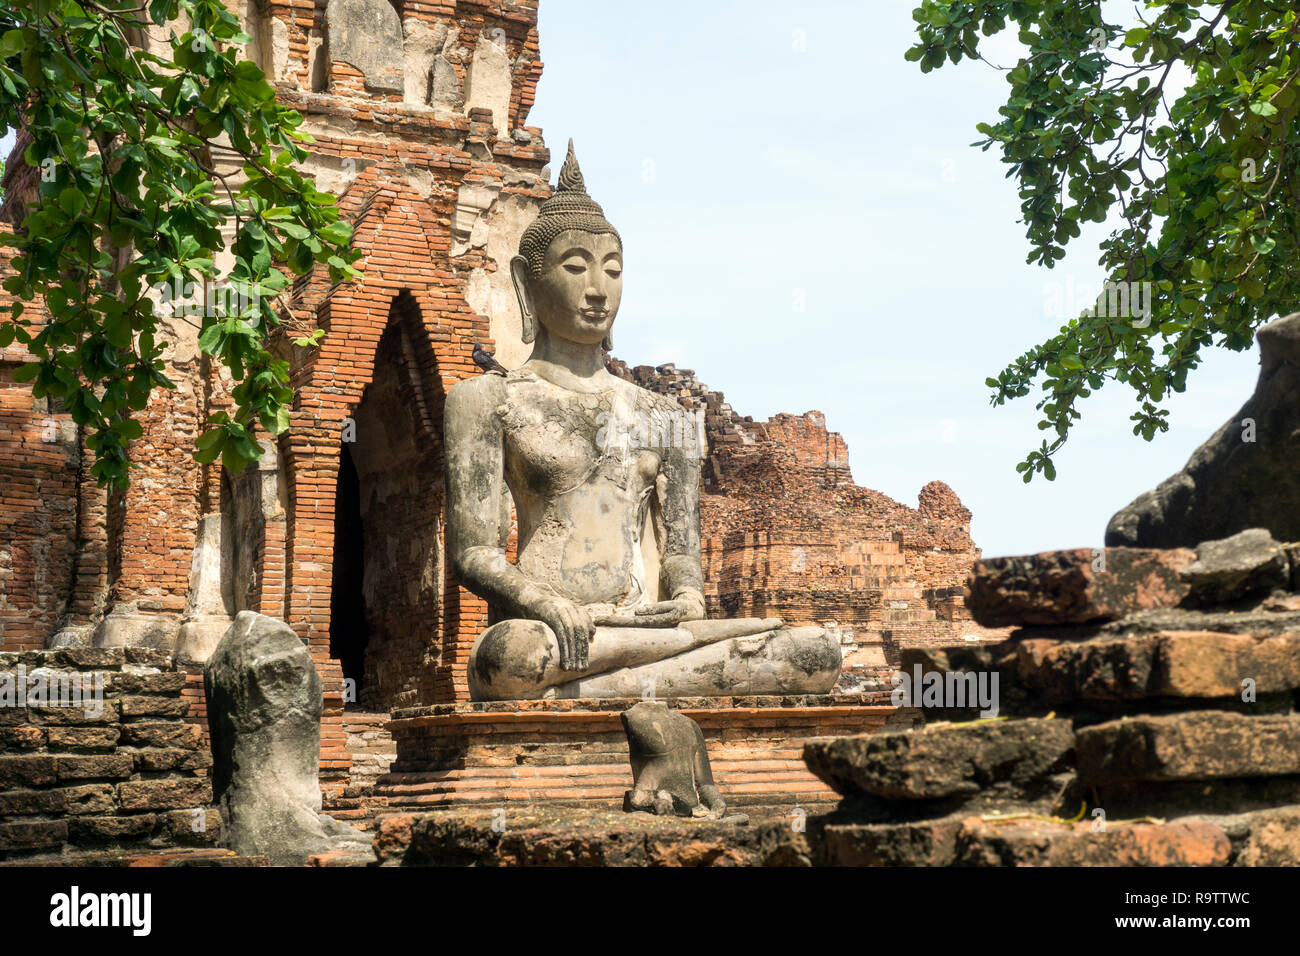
[419, 111]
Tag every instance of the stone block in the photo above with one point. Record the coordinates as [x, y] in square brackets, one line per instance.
[924, 843]
[1245, 565]
[32, 835]
[147, 706]
[1200, 745]
[167, 734]
[942, 761]
[1274, 839]
[93, 766]
[1167, 664]
[110, 829]
[92, 798]
[1189, 842]
[35, 770]
[84, 738]
[157, 682]
[152, 760]
[167, 794]
[1078, 586]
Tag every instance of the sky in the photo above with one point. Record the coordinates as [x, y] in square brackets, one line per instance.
[807, 226]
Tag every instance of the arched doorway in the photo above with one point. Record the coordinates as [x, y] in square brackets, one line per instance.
[389, 560]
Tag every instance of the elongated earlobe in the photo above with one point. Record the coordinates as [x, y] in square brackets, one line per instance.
[519, 276]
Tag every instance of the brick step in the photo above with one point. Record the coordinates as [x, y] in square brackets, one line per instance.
[619, 777]
[571, 759]
[786, 759]
[785, 798]
[571, 764]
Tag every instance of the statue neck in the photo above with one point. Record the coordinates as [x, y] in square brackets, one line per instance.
[571, 365]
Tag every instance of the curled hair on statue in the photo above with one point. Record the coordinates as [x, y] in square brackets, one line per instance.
[569, 208]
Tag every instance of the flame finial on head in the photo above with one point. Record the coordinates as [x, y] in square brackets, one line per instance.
[569, 208]
[570, 180]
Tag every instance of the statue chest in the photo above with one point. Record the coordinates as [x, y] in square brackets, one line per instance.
[551, 449]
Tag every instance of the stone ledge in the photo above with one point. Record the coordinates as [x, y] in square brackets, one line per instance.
[620, 704]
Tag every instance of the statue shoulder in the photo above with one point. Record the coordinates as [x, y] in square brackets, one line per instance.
[475, 398]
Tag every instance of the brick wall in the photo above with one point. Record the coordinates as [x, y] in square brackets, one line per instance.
[116, 769]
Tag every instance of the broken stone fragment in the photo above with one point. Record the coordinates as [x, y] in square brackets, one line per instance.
[367, 34]
[264, 713]
[1246, 565]
[944, 760]
[1076, 586]
[670, 764]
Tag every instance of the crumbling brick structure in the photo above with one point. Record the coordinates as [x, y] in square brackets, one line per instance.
[419, 114]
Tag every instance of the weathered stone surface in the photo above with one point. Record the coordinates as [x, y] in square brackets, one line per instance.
[567, 837]
[264, 710]
[923, 843]
[164, 794]
[670, 764]
[1274, 839]
[944, 760]
[1164, 664]
[83, 738]
[1231, 483]
[167, 684]
[146, 706]
[1062, 587]
[91, 798]
[1187, 842]
[22, 738]
[1245, 565]
[93, 766]
[108, 713]
[1189, 746]
[25, 835]
[91, 830]
[151, 760]
[367, 34]
[27, 771]
[161, 734]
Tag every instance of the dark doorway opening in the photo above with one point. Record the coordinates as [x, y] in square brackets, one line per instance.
[349, 632]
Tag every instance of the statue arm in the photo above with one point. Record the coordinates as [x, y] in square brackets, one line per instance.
[680, 569]
[475, 490]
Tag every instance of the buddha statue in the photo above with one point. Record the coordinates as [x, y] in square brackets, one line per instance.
[605, 597]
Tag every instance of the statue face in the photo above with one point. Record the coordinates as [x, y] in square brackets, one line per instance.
[577, 294]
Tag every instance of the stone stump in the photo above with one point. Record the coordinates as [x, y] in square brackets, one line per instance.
[264, 712]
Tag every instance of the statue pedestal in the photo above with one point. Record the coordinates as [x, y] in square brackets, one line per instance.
[575, 752]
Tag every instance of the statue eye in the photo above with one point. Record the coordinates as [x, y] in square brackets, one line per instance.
[575, 265]
[613, 271]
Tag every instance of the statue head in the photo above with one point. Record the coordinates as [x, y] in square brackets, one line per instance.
[569, 271]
